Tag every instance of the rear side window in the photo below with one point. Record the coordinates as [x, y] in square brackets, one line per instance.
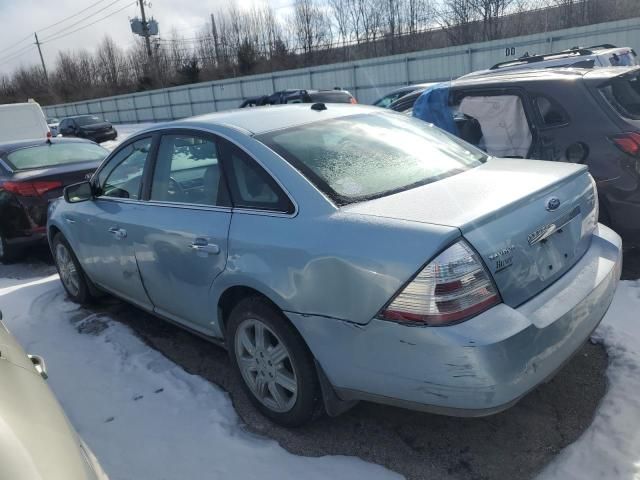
[187, 171]
[623, 94]
[55, 154]
[551, 113]
[251, 186]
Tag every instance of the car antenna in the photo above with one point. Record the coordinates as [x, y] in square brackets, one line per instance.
[318, 107]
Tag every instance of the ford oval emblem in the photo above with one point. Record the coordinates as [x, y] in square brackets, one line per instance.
[553, 204]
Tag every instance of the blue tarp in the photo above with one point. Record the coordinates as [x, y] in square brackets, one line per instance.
[433, 107]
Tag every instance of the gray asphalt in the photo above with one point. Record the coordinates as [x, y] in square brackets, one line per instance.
[515, 444]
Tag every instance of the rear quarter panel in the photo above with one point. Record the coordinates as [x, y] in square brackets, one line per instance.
[343, 266]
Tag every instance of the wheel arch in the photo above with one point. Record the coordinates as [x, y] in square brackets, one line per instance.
[233, 294]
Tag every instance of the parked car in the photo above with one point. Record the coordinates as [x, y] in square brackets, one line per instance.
[32, 173]
[597, 56]
[22, 121]
[394, 95]
[346, 253]
[91, 127]
[53, 124]
[300, 96]
[36, 438]
[565, 115]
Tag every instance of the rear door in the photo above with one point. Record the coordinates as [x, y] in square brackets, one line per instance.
[181, 236]
[496, 120]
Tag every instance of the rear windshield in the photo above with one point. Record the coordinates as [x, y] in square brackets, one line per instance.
[360, 157]
[88, 120]
[624, 59]
[55, 154]
[623, 94]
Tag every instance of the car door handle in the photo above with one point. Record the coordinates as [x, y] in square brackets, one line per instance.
[203, 245]
[119, 233]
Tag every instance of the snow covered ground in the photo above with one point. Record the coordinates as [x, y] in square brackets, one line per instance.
[125, 130]
[146, 418]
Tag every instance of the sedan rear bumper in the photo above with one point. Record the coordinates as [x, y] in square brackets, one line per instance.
[477, 367]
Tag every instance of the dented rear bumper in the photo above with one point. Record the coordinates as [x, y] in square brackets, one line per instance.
[477, 367]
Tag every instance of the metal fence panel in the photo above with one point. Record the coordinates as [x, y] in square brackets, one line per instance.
[366, 79]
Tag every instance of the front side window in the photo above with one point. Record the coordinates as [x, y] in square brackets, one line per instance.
[122, 176]
[55, 154]
[187, 171]
[366, 156]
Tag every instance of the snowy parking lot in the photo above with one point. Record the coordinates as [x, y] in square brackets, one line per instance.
[155, 402]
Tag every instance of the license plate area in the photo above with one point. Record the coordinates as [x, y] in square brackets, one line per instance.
[556, 250]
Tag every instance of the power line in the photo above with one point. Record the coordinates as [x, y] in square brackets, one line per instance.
[15, 55]
[15, 44]
[79, 21]
[50, 39]
[70, 16]
[28, 37]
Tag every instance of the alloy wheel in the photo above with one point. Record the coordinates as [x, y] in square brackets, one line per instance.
[265, 365]
[68, 271]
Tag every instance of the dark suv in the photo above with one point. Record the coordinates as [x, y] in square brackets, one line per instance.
[566, 115]
[300, 96]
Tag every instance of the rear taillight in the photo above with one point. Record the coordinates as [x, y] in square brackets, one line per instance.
[628, 143]
[353, 101]
[32, 189]
[452, 288]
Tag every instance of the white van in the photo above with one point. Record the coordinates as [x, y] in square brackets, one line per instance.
[22, 121]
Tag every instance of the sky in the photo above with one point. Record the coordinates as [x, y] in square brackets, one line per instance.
[21, 18]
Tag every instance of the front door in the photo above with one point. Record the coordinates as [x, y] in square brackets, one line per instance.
[181, 240]
[106, 225]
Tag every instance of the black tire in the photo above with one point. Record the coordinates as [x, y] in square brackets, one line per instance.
[308, 389]
[83, 294]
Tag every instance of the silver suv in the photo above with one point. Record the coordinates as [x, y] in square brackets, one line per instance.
[597, 56]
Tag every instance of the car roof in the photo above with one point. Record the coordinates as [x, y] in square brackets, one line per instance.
[8, 147]
[275, 117]
[543, 75]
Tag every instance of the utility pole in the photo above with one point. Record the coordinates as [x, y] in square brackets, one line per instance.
[44, 67]
[145, 28]
[216, 47]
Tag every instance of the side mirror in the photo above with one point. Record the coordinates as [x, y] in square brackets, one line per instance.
[78, 192]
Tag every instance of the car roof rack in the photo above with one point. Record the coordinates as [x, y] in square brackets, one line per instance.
[570, 52]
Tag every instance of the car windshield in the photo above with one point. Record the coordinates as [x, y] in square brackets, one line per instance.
[366, 156]
[623, 94]
[88, 120]
[55, 154]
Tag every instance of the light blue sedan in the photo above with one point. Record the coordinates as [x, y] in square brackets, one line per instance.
[346, 253]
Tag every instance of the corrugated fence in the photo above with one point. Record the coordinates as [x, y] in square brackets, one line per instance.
[366, 79]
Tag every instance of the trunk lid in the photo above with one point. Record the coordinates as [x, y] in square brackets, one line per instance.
[526, 218]
[67, 174]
